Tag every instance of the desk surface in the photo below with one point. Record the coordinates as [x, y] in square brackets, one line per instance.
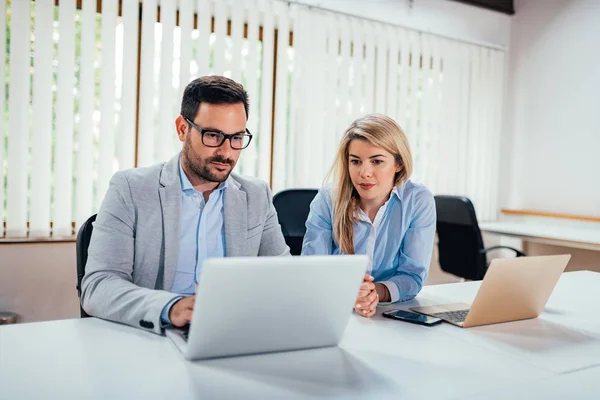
[378, 358]
[584, 235]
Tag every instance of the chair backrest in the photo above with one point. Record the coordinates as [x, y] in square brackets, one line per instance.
[459, 238]
[83, 241]
[293, 206]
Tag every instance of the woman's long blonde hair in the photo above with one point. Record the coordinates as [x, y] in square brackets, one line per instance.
[380, 131]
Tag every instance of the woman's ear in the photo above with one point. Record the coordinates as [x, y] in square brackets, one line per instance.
[398, 164]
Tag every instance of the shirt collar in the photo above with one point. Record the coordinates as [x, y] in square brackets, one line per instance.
[398, 191]
[186, 185]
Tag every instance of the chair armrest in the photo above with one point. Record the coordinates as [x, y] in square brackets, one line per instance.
[517, 252]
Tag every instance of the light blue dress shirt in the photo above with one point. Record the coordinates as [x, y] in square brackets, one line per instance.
[399, 241]
[202, 236]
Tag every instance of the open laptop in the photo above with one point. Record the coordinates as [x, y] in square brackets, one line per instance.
[512, 289]
[265, 304]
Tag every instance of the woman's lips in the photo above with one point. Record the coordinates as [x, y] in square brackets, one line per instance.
[366, 186]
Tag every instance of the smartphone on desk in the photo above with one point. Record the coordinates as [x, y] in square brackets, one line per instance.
[411, 317]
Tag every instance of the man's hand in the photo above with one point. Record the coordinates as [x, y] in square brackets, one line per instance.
[367, 299]
[181, 312]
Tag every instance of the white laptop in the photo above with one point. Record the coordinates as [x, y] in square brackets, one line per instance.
[265, 304]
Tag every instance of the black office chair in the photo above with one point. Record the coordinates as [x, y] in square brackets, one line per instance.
[292, 207]
[83, 241]
[460, 243]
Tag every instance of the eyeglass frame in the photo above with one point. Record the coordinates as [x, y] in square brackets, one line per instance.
[225, 135]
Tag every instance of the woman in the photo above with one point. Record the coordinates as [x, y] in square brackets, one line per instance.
[373, 208]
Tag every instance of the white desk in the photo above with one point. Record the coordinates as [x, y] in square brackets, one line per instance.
[581, 235]
[378, 358]
[579, 385]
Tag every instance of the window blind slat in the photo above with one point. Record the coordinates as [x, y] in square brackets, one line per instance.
[432, 171]
[237, 35]
[281, 95]
[330, 136]
[473, 133]
[455, 111]
[412, 129]
[202, 44]
[165, 138]
[485, 183]
[297, 145]
[315, 172]
[381, 62]
[344, 77]
[391, 108]
[41, 143]
[499, 80]
[358, 65]
[403, 80]
[251, 83]
[186, 24]
[128, 99]
[465, 78]
[369, 68]
[106, 140]
[18, 126]
[266, 94]
[63, 149]
[423, 138]
[147, 86]
[85, 157]
[447, 148]
[297, 108]
[218, 48]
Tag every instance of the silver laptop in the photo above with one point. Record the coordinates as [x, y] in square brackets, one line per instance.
[265, 304]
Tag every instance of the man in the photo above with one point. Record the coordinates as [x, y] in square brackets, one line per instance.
[157, 225]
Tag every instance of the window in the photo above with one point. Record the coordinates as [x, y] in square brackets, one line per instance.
[92, 90]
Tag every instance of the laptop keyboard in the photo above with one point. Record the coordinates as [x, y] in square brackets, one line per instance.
[452, 316]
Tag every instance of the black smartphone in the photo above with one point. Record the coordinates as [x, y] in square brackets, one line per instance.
[413, 317]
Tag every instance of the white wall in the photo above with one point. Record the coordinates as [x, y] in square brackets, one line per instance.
[447, 18]
[552, 147]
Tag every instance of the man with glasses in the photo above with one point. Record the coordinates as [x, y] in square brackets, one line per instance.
[157, 225]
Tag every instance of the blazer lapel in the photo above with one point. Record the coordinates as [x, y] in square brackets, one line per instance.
[170, 201]
[235, 219]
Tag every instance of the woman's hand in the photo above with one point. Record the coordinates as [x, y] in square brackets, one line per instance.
[367, 299]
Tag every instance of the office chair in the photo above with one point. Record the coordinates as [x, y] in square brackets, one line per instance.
[292, 207]
[83, 241]
[460, 243]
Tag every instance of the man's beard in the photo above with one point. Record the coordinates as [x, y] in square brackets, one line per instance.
[200, 168]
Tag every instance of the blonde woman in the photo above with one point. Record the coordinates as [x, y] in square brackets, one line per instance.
[373, 208]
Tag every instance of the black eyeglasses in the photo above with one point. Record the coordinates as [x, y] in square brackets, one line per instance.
[210, 138]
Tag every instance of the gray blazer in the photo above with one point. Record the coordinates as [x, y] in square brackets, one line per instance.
[135, 242]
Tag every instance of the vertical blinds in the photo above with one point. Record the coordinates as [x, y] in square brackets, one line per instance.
[446, 95]
[74, 103]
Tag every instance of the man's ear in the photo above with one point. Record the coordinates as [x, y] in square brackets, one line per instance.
[182, 127]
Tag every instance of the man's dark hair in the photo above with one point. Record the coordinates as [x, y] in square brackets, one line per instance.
[213, 90]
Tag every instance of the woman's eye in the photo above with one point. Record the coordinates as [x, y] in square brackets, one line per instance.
[377, 162]
[354, 162]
